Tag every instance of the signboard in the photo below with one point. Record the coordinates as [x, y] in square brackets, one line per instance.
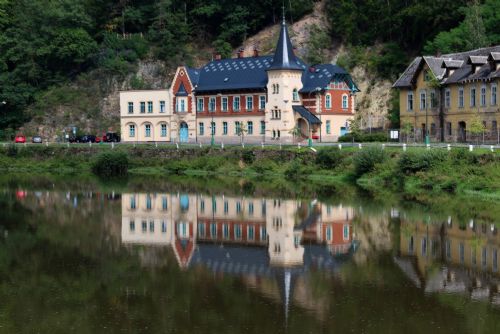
[394, 134]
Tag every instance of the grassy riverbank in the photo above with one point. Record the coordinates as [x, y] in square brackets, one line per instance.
[418, 173]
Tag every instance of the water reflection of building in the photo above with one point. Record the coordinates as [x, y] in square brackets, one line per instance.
[276, 239]
[450, 257]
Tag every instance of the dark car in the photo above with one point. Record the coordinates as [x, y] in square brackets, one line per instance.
[86, 139]
[36, 140]
[111, 137]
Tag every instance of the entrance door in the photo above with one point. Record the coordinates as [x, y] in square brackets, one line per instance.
[183, 133]
[462, 132]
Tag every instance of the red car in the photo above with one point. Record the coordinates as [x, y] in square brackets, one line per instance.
[20, 139]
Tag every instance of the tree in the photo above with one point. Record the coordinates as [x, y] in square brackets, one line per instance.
[476, 126]
[295, 132]
[241, 130]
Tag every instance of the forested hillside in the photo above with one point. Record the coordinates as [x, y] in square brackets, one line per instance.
[50, 49]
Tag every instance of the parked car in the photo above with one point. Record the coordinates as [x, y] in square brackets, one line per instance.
[20, 139]
[86, 139]
[111, 137]
[36, 140]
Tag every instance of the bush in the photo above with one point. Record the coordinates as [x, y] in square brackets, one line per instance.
[366, 159]
[11, 150]
[177, 167]
[111, 164]
[248, 156]
[363, 137]
[329, 158]
[296, 170]
[416, 161]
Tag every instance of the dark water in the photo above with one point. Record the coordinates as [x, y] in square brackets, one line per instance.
[83, 258]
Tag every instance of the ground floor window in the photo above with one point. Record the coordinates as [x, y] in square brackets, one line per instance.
[224, 128]
[250, 128]
[212, 127]
[448, 128]
[147, 130]
[164, 130]
[262, 127]
[237, 127]
[202, 129]
[131, 130]
[328, 127]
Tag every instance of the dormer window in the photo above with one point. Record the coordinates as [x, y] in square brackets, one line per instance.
[427, 76]
[295, 95]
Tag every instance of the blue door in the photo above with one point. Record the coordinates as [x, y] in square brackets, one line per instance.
[183, 133]
[343, 130]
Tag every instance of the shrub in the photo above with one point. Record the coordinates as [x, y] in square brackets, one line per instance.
[110, 164]
[329, 158]
[11, 150]
[296, 170]
[248, 156]
[416, 161]
[365, 160]
[363, 137]
[177, 167]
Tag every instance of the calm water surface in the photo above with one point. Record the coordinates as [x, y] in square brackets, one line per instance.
[206, 261]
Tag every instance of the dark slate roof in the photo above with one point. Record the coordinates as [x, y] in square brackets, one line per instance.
[495, 56]
[284, 57]
[319, 76]
[182, 91]
[450, 63]
[464, 72]
[308, 116]
[194, 75]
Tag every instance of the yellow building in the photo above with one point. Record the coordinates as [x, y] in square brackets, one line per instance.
[443, 96]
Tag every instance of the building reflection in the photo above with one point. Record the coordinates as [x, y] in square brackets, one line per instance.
[452, 258]
[263, 240]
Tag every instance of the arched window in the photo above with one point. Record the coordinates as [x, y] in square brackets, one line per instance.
[328, 101]
[345, 102]
[274, 133]
[147, 130]
[295, 95]
[163, 130]
[274, 89]
[131, 130]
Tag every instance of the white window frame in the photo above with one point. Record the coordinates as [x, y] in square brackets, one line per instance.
[150, 107]
[224, 103]
[262, 127]
[212, 104]
[224, 128]
[142, 109]
[482, 96]
[162, 107]
[328, 126]
[432, 98]
[473, 101]
[131, 107]
[262, 102]
[249, 103]
[163, 127]
[328, 101]
[295, 95]
[250, 127]
[147, 130]
[423, 100]
[200, 106]
[447, 98]
[345, 101]
[131, 130]
[236, 106]
[201, 128]
[461, 97]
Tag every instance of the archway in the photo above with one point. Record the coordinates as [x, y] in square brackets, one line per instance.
[462, 131]
[303, 127]
[183, 133]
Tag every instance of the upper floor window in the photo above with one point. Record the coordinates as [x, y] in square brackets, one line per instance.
[143, 107]
[162, 107]
[262, 102]
[483, 96]
[345, 102]
[328, 101]
[131, 107]
[461, 98]
[200, 106]
[409, 105]
[447, 98]
[236, 103]
[493, 94]
[181, 105]
[433, 99]
[276, 89]
[224, 104]
[249, 103]
[211, 104]
[295, 95]
[423, 100]
[150, 106]
[473, 97]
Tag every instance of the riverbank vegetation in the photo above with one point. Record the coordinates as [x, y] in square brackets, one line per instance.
[417, 172]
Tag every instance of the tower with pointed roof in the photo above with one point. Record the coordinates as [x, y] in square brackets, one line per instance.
[284, 83]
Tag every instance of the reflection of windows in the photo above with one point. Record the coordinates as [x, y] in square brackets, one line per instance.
[483, 257]
[201, 230]
[277, 248]
[251, 232]
[164, 203]
[329, 233]
[182, 230]
[148, 202]
[263, 208]
[214, 205]
[163, 227]
[151, 226]
[184, 202]
[225, 231]
[296, 240]
[226, 207]
[346, 232]
[238, 207]
[237, 231]
[250, 209]
[461, 252]
[144, 226]
[473, 256]
[448, 249]
[423, 247]
[263, 233]
[132, 203]
[202, 206]
[213, 230]
[495, 260]
[132, 226]
[411, 245]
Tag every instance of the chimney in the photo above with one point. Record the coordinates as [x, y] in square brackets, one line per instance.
[217, 56]
[241, 53]
[255, 52]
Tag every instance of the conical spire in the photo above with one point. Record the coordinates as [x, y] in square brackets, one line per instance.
[284, 57]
